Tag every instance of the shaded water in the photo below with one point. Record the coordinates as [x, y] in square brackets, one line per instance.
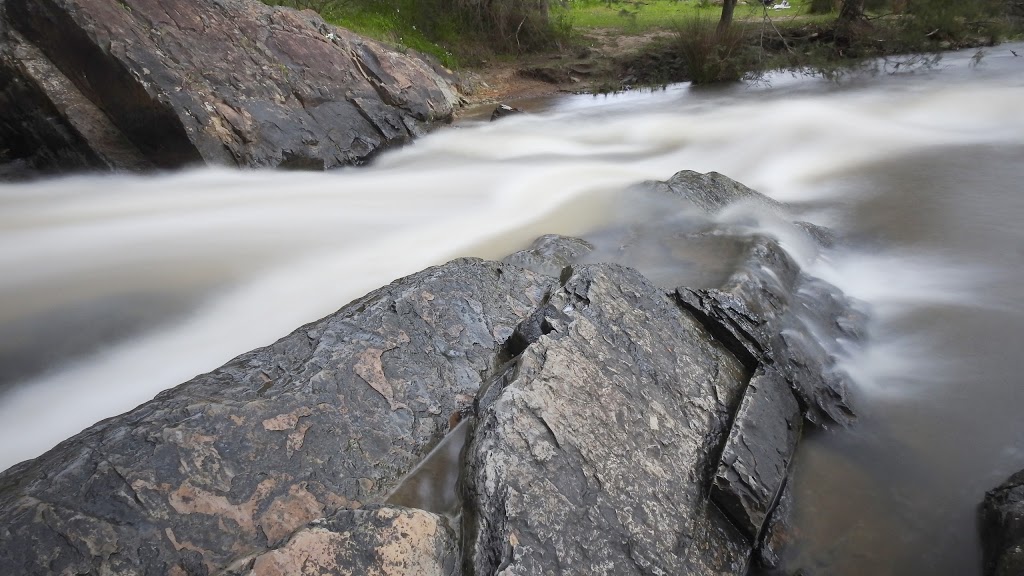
[113, 288]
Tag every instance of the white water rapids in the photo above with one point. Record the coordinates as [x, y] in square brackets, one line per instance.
[113, 288]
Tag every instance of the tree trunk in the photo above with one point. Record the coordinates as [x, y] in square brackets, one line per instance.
[851, 10]
[728, 7]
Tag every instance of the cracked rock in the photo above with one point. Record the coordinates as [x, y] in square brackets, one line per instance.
[588, 461]
[757, 454]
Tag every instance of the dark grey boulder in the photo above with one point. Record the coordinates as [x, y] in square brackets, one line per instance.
[634, 432]
[592, 458]
[228, 465]
[713, 191]
[777, 533]
[140, 83]
[769, 312]
[1002, 528]
[45, 122]
[756, 458]
[503, 110]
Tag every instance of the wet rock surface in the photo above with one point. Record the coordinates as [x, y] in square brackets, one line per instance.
[611, 426]
[602, 437]
[377, 541]
[755, 460]
[550, 253]
[232, 462]
[1002, 527]
[45, 122]
[769, 312]
[713, 191]
[137, 83]
[503, 110]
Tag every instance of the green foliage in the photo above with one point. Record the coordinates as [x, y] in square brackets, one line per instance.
[444, 28]
[643, 15]
[897, 36]
[713, 56]
[478, 29]
[954, 22]
[824, 6]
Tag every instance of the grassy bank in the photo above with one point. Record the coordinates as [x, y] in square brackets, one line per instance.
[645, 15]
[891, 35]
[454, 31]
[807, 35]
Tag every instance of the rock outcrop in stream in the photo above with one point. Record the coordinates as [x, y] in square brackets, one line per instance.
[136, 83]
[1002, 527]
[612, 427]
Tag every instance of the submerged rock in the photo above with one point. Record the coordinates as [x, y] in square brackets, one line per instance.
[503, 110]
[1002, 528]
[139, 83]
[713, 191]
[550, 254]
[611, 426]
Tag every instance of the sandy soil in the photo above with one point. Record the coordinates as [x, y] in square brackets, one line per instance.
[591, 65]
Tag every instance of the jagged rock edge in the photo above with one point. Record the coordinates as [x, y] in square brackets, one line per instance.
[536, 325]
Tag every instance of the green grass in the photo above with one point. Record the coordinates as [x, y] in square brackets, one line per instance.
[434, 27]
[446, 29]
[394, 22]
[645, 15]
[389, 26]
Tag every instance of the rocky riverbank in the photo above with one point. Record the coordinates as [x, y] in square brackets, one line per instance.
[88, 85]
[610, 426]
[136, 85]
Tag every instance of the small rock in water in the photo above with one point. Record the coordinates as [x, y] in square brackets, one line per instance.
[503, 110]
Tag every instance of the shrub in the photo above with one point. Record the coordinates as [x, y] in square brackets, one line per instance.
[953, 21]
[823, 6]
[714, 56]
[438, 26]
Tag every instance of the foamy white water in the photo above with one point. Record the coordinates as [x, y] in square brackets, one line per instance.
[116, 287]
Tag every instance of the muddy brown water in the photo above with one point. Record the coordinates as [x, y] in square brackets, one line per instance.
[113, 288]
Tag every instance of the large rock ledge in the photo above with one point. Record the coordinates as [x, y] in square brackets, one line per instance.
[132, 84]
[611, 427]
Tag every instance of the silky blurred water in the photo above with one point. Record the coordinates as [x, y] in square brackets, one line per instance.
[113, 288]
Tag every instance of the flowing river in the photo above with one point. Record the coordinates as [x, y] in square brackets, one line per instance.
[113, 288]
